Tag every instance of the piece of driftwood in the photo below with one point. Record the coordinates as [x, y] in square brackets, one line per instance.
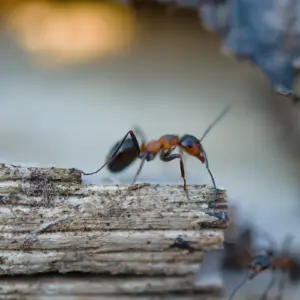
[51, 222]
[95, 287]
[99, 288]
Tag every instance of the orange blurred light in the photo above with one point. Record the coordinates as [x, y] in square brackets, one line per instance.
[70, 33]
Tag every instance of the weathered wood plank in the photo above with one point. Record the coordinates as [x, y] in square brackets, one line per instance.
[118, 224]
[89, 297]
[110, 241]
[51, 222]
[37, 257]
[95, 285]
[152, 263]
[126, 268]
[20, 219]
[106, 297]
[11, 172]
[32, 192]
[170, 296]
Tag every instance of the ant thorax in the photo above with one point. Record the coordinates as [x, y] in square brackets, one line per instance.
[153, 147]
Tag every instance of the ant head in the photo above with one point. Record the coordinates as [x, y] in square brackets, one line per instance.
[259, 264]
[192, 146]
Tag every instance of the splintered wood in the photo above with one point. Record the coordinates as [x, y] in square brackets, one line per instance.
[51, 222]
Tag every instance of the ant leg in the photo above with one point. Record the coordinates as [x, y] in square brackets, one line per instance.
[243, 282]
[182, 155]
[143, 157]
[166, 156]
[269, 286]
[281, 286]
[210, 174]
[136, 144]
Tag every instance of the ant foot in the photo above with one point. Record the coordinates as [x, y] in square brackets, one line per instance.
[187, 193]
[137, 186]
[184, 184]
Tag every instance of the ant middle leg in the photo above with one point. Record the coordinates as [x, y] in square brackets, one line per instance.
[166, 156]
[135, 142]
[281, 285]
[269, 286]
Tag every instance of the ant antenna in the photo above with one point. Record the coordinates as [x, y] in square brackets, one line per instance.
[239, 285]
[221, 115]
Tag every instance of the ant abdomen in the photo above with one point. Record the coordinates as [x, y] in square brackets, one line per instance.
[294, 272]
[126, 155]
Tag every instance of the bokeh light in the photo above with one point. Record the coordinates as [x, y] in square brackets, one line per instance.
[68, 33]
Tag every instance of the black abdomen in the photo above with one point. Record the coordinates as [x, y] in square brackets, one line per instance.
[124, 158]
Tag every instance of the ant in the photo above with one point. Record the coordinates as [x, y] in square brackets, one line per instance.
[124, 152]
[238, 255]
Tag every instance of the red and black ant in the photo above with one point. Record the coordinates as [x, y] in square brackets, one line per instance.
[240, 255]
[128, 150]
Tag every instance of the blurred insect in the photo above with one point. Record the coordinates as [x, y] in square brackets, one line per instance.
[241, 255]
[126, 151]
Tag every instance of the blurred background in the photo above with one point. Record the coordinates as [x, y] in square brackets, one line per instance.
[76, 76]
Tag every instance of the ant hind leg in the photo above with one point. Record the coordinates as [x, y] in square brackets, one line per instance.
[136, 144]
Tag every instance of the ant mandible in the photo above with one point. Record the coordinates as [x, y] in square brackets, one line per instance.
[128, 150]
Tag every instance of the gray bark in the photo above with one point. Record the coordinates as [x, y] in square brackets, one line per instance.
[51, 222]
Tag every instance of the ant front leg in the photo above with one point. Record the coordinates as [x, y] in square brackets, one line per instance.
[210, 174]
[135, 142]
[166, 156]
